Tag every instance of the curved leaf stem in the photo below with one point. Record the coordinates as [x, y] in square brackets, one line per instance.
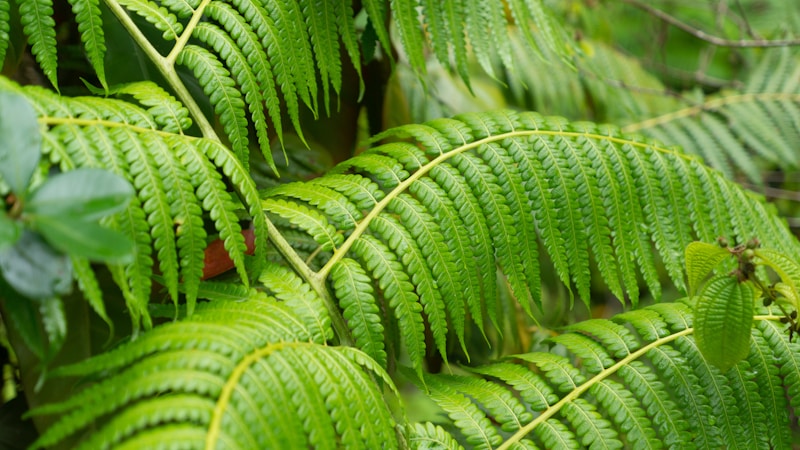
[315, 279]
[711, 39]
[710, 105]
[166, 67]
[362, 226]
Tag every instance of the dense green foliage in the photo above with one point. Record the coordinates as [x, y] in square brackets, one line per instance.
[440, 253]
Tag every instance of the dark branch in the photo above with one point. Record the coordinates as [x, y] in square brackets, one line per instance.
[716, 40]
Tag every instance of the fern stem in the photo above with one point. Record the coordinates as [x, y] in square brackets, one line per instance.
[710, 105]
[223, 402]
[166, 68]
[180, 44]
[315, 279]
[422, 171]
[578, 391]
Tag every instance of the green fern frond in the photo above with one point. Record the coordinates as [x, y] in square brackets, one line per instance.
[156, 14]
[497, 176]
[36, 17]
[168, 113]
[90, 27]
[727, 129]
[247, 374]
[360, 308]
[177, 178]
[644, 394]
[222, 92]
[430, 436]
[5, 28]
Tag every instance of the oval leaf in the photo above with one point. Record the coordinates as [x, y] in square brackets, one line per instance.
[34, 269]
[701, 259]
[723, 320]
[20, 141]
[85, 239]
[84, 194]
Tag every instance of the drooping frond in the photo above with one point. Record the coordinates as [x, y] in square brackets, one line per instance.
[636, 381]
[259, 60]
[453, 26]
[236, 375]
[437, 211]
[178, 179]
[731, 127]
[5, 27]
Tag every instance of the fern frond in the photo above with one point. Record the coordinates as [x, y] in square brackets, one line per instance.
[727, 129]
[399, 292]
[221, 90]
[36, 17]
[425, 436]
[177, 178]
[246, 374]
[298, 296]
[5, 27]
[170, 115]
[157, 15]
[360, 308]
[642, 391]
[510, 181]
[90, 26]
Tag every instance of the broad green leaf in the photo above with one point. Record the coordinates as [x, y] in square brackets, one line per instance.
[85, 239]
[723, 320]
[35, 269]
[701, 259]
[10, 231]
[85, 194]
[20, 141]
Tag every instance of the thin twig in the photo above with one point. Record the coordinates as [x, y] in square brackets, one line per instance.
[702, 35]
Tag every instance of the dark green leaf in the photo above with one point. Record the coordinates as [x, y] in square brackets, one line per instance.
[22, 314]
[85, 239]
[84, 194]
[35, 269]
[9, 231]
[723, 320]
[20, 141]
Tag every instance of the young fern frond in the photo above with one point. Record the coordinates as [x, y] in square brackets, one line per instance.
[637, 380]
[177, 178]
[498, 177]
[237, 374]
